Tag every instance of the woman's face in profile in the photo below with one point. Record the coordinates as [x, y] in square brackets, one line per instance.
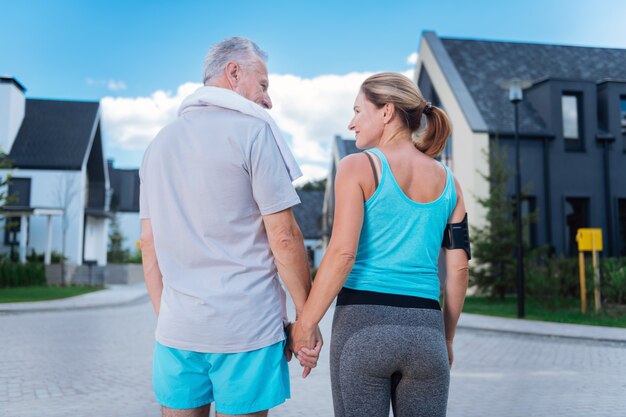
[367, 122]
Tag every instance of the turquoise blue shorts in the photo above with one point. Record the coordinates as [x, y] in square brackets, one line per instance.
[238, 383]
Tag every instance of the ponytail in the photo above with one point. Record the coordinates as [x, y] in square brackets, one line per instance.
[388, 87]
[433, 139]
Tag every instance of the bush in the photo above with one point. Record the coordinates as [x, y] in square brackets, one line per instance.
[21, 275]
[613, 281]
[55, 257]
[135, 258]
[553, 278]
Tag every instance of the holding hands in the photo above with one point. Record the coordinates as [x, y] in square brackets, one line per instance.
[305, 342]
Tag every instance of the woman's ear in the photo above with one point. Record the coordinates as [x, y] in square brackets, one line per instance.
[388, 112]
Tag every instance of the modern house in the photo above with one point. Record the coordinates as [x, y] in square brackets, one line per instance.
[125, 204]
[59, 190]
[308, 214]
[572, 126]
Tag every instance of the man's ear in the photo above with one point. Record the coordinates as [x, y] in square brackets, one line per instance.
[233, 74]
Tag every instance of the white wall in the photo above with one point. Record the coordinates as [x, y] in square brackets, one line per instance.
[95, 246]
[468, 160]
[12, 107]
[48, 189]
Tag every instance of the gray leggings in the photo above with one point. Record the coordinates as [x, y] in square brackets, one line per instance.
[381, 355]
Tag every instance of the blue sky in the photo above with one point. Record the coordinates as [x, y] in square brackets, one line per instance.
[131, 52]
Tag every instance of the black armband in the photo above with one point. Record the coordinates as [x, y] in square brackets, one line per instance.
[456, 236]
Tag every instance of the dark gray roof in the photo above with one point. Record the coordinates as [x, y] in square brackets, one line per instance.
[483, 65]
[54, 134]
[125, 186]
[309, 213]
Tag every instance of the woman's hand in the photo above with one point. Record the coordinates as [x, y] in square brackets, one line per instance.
[306, 343]
[450, 352]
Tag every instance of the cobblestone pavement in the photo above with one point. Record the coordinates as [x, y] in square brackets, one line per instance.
[98, 363]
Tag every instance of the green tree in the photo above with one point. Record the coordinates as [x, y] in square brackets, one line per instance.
[315, 185]
[5, 163]
[116, 252]
[494, 246]
[5, 199]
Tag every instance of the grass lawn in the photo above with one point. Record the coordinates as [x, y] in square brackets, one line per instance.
[562, 311]
[42, 293]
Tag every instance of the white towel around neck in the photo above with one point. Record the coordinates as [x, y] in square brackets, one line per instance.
[228, 99]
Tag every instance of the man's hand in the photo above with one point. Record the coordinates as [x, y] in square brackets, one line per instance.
[306, 344]
[287, 350]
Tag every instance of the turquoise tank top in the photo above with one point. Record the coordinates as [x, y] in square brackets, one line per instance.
[400, 239]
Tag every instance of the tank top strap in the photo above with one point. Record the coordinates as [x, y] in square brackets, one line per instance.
[381, 156]
[451, 189]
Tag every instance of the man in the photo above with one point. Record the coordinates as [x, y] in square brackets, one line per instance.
[217, 229]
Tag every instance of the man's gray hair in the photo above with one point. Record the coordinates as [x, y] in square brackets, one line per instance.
[236, 49]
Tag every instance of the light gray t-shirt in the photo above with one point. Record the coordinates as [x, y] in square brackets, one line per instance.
[206, 180]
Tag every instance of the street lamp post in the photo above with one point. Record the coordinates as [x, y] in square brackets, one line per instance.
[515, 88]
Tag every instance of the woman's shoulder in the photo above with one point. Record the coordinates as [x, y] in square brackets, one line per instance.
[354, 162]
[354, 167]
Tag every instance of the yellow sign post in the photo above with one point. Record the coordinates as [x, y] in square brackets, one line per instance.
[589, 240]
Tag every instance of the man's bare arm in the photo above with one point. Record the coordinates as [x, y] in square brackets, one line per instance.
[151, 272]
[287, 245]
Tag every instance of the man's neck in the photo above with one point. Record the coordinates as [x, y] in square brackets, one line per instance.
[220, 82]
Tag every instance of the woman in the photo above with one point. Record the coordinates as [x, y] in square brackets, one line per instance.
[390, 340]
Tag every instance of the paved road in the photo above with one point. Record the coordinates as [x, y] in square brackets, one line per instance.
[97, 363]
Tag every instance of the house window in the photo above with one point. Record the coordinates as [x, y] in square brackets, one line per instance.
[622, 119]
[621, 210]
[572, 118]
[19, 192]
[576, 216]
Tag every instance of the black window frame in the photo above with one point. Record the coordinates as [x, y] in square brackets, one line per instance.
[571, 144]
[571, 247]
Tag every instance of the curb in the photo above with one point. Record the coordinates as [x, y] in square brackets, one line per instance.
[543, 328]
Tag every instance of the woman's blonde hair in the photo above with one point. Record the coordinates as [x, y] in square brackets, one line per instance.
[396, 89]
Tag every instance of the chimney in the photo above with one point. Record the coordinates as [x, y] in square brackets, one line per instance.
[12, 107]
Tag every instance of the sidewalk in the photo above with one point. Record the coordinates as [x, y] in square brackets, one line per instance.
[117, 295]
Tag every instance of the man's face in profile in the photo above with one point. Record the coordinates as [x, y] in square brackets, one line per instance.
[254, 84]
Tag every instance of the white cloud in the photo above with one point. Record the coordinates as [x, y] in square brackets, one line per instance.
[132, 122]
[309, 111]
[116, 85]
[412, 59]
[112, 85]
[313, 110]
